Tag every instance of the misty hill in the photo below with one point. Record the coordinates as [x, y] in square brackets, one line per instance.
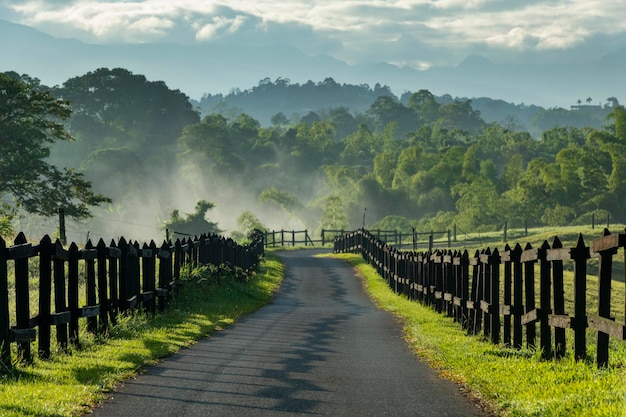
[293, 100]
[217, 68]
[296, 101]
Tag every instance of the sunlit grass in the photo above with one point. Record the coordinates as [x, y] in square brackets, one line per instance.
[509, 382]
[68, 385]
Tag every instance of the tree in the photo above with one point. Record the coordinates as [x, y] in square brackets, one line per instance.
[424, 104]
[30, 123]
[279, 119]
[247, 223]
[114, 108]
[359, 147]
[460, 114]
[333, 215]
[193, 224]
[387, 109]
[210, 146]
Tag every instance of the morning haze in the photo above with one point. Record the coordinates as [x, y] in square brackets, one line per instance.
[306, 114]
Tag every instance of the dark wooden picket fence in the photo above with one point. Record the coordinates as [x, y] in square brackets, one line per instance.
[119, 278]
[494, 291]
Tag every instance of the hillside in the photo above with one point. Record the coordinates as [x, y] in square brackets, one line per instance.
[295, 101]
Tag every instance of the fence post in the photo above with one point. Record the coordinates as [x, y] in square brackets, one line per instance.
[544, 299]
[472, 305]
[485, 260]
[558, 300]
[21, 252]
[606, 247]
[517, 309]
[101, 257]
[60, 290]
[113, 255]
[165, 274]
[526, 227]
[5, 348]
[507, 302]
[529, 293]
[72, 293]
[494, 265]
[45, 294]
[462, 287]
[89, 255]
[148, 259]
[449, 283]
[580, 254]
[506, 227]
[124, 272]
[62, 234]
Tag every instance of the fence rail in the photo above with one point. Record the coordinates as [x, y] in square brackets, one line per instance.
[494, 292]
[118, 278]
[393, 237]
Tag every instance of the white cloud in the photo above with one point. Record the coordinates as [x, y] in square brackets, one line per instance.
[516, 38]
[354, 30]
[219, 26]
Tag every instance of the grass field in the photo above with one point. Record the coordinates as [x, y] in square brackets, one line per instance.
[508, 382]
[68, 385]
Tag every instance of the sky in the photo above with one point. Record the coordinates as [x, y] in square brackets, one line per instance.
[412, 33]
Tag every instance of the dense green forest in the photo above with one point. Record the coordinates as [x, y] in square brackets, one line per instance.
[414, 161]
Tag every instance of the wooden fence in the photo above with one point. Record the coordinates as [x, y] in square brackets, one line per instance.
[494, 292]
[278, 238]
[119, 278]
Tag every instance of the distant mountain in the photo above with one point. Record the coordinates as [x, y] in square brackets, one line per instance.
[209, 68]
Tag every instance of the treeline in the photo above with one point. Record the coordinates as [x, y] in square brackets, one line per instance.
[295, 101]
[419, 161]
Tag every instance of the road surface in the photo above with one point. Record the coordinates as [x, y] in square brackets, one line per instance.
[322, 348]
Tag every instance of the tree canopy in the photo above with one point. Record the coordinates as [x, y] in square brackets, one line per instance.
[31, 121]
[435, 161]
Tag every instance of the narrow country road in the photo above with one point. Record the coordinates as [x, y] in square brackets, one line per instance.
[322, 348]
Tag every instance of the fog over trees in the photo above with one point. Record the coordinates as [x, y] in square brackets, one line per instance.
[316, 155]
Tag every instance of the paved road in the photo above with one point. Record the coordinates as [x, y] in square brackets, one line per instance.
[322, 348]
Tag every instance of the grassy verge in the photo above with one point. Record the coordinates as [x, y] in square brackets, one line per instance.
[69, 384]
[509, 382]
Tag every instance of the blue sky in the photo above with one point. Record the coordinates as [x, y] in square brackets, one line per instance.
[413, 33]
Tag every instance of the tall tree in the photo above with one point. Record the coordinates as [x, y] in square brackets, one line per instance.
[115, 108]
[30, 123]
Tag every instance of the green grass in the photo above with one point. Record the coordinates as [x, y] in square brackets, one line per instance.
[68, 385]
[506, 381]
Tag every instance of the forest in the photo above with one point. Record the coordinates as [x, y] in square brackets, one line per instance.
[318, 155]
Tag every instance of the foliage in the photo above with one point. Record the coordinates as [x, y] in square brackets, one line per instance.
[433, 160]
[247, 223]
[193, 224]
[30, 123]
[333, 214]
[285, 200]
[6, 229]
[114, 107]
[393, 223]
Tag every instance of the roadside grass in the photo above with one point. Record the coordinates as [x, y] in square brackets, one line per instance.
[69, 384]
[508, 382]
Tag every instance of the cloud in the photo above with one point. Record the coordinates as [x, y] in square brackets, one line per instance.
[417, 32]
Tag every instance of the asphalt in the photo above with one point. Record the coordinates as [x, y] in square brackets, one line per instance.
[321, 348]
